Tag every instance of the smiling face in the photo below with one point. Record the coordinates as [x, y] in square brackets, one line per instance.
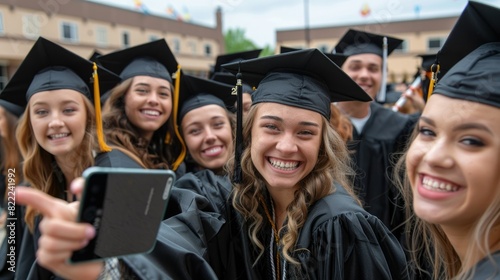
[208, 135]
[285, 144]
[453, 164]
[59, 120]
[148, 104]
[366, 70]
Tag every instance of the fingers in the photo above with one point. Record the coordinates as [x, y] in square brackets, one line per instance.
[66, 230]
[47, 205]
[77, 187]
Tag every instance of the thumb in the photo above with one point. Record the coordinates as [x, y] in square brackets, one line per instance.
[47, 205]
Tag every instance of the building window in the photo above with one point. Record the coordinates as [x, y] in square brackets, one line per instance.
[192, 46]
[402, 48]
[31, 26]
[1, 24]
[69, 32]
[3, 77]
[125, 39]
[176, 44]
[434, 44]
[101, 34]
[208, 50]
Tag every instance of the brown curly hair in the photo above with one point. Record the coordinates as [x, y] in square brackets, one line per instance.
[120, 132]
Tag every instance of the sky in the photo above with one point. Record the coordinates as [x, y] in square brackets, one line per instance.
[261, 18]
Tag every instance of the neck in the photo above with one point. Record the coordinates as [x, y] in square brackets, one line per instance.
[281, 200]
[355, 109]
[67, 168]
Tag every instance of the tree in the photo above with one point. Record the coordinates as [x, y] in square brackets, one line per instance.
[235, 41]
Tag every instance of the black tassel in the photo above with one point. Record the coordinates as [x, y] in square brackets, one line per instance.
[239, 130]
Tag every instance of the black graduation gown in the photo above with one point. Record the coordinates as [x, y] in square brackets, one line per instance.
[375, 151]
[342, 239]
[485, 269]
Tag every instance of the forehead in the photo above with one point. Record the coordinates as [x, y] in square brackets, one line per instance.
[364, 58]
[287, 113]
[150, 81]
[57, 96]
[452, 111]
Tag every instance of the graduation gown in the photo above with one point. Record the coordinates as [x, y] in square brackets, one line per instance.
[375, 152]
[485, 269]
[343, 241]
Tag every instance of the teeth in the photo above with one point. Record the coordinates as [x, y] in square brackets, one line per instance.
[213, 150]
[434, 185]
[151, 112]
[57, 136]
[284, 165]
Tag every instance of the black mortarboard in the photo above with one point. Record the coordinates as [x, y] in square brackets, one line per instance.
[233, 57]
[338, 59]
[427, 61]
[476, 77]
[49, 66]
[153, 59]
[477, 25]
[197, 92]
[12, 108]
[359, 42]
[93, 57]
[306, 79]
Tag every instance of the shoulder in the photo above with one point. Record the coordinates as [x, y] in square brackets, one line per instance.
[488, 268]
[116, 158]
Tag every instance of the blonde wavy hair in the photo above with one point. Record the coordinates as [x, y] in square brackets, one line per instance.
[37, 166]
[120, 132]
[333, 165]
[429, 246]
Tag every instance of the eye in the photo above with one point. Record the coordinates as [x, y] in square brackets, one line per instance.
[306, 132]
[219, 124]
[164, 94]
[270, 126]
[472, 141]
[69, 110]
[141, 91]
[41, 112]
[194, 131]
[425, 131]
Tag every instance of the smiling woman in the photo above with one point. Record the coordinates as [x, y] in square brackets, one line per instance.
[56, 133]
[452, 164]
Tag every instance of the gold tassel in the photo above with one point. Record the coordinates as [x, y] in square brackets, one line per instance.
[182, 155]
[433, 79]
[98, 116]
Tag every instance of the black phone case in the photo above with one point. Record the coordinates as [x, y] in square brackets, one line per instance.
[126, 207]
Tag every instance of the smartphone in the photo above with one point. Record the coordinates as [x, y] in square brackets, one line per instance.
[126, 207]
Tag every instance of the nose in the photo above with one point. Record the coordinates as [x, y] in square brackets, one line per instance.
[210, 136]
[153, 98]
[286, 144]
[439, 154]
[363, 73]
[55, 121]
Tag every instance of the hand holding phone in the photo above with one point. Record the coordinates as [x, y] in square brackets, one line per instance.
[126, 207]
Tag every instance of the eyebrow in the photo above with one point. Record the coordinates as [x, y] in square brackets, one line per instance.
[148, 85]
[304, 123]
[464, 126]
[64, 102]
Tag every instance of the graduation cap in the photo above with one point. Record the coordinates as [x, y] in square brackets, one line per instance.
[338, 59]
[427, 61]
[93, 57]
[48, 66]
[197, 92]
[233, 57]
[12, 108]
[359, 42]
[305, 79]
[154, 59]
[471, 71]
